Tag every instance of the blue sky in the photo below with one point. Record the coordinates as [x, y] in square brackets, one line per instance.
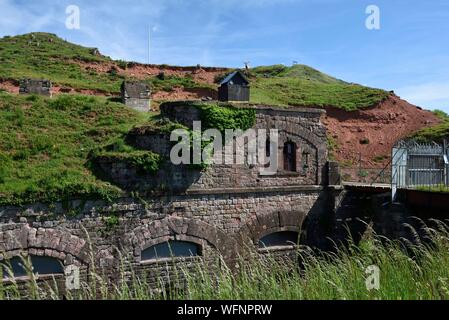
[409, 54]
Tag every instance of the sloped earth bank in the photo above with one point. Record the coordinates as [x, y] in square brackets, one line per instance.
[204, 75]
[362, 138]
[370, 134]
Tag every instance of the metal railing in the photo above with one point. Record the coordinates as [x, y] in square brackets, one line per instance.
[417, 178]
[366, 175]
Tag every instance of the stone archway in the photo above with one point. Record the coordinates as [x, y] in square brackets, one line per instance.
[260, 225]
[178, 228]
[47, 242]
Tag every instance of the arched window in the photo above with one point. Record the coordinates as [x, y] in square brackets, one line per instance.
[171, 249]
[40, 265]
[290, 156]
[279, 239]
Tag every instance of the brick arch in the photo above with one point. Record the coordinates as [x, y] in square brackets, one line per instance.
[303, 134]
[48, 242]
[177, 228]
[262, 224]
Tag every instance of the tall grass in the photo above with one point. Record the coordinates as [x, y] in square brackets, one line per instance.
[421, 272]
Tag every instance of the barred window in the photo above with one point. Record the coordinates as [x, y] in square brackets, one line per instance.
[279, 239]
[171, 249]
[40, 265]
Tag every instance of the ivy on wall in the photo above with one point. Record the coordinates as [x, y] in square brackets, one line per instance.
[222, 117]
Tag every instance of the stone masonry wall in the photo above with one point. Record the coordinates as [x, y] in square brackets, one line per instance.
[78, 233]
[300, 126]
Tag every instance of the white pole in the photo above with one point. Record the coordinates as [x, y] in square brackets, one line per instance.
[149, 44]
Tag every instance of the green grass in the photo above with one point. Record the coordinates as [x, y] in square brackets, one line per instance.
[45, 144]
[422, 274]
[434, 133]
[297, 71]
[310, 93]
[440, 188]
[44, 55]
[170, 82]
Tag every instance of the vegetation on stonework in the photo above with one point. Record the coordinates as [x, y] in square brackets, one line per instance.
[435, 133]
[332, 146]
[45, 143]
[157, 125]
[222, 117]
[419, 273]
[146, 161]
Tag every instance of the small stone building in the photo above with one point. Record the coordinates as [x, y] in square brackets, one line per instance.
[136, 95]
[235, 87]
[35, 86]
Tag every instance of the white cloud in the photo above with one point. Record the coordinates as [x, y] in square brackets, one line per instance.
[434, 95]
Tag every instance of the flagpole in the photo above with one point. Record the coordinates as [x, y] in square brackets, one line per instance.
[149, 44]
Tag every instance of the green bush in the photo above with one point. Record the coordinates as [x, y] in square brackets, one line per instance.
[224, 117]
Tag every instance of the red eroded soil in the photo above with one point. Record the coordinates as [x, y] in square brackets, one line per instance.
[9, 85]
[180, 93]
[372, 132]
[141, 71]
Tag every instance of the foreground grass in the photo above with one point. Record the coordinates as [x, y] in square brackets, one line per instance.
[423, 273]
[45, 143]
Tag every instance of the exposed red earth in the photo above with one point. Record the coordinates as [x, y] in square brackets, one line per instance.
[372, 132]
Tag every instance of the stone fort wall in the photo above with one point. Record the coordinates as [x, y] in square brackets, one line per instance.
[224, 210]
[223, 225]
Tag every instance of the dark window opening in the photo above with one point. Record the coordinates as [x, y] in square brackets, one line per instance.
[171, 249]
[268, 148]
[305, 160]
[279, 239]
[290, 156]
[40, 266]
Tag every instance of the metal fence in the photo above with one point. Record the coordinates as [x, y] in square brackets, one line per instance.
[410, 177]
[367, 175]
[416, 166]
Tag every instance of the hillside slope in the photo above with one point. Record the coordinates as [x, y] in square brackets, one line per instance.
[362, 122]
[45, 145]
[369, 134]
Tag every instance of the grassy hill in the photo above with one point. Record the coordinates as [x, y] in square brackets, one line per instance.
[45, 144]
[43, 55]
[434, 133]
[301, 85]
